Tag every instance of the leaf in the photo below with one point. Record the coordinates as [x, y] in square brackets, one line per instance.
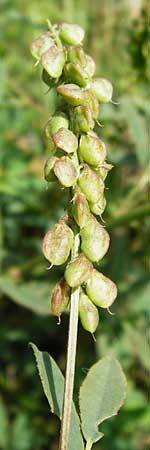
[53, 386]
[101, 396]
[34, 295]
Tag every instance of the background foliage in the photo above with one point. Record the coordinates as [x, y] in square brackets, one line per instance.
[117, 36]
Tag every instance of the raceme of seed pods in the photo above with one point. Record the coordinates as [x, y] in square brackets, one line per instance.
[77, 160]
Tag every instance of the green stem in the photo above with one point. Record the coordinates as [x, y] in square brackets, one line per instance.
[70, 365]
[55, 33]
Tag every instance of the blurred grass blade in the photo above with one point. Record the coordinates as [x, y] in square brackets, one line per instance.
[138, 129]
[34, 295]
[22, 435]
[4, 432]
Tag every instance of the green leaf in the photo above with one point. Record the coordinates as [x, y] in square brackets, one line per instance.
[33, 295]
[53, 386]
[101, 396]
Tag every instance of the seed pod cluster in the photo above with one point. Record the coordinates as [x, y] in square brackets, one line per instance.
[77, 160]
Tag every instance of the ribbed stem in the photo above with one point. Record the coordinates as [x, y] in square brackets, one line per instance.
[88, 445]
[70, 365]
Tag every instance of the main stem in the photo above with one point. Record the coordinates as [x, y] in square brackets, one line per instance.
[88, 445]
[70, 365]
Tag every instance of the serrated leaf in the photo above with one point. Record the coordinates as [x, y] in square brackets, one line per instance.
[101, 396]
[53, 386]
[34, 295]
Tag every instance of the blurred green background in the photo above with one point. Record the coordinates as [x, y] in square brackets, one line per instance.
[117, 36]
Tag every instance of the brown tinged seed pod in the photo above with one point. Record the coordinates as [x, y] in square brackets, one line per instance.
[104, 169]
[91, 101]
[82, 119]
[78, 271]
[71, 93]
[88, 313]
[102, 88]
[80, 208]
[94, 240]
[65, 171]
[48, 169]
[90, 65]
[41, 45]
[56, 122]
[57, 244]
[72, 34]
[53, 61]
[92, 149]
[60, 298]
[74, 73]
[65, 140]
[76, 55]
[99, 207]
[100, 289]
[91, 184]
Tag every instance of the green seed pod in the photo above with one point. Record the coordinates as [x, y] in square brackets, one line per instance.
[76, 55]
[41, 45]
[58, 243]
[91, 184]
[48, 169]
[91, 101]
[102, 89]
[74, 73]
[101, 290]
[80, 208]
[94, 240]
[71, 93]
[88, 313]
[53, 61]
[65, 171]
[104, 169]
[90, 65]
[55, 123]
[92, 149]
[60, 298]
[71, 34]
[78, 271]
[51, 147]
[65, 140]
[99, 207]
[49, 81]
[82, 119]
